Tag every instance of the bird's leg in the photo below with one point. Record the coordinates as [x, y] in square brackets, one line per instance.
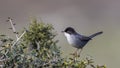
[75, 55]
[79, 52]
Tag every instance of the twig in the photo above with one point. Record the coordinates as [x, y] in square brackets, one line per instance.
[13, 28]
[18, 39]
[38, 46]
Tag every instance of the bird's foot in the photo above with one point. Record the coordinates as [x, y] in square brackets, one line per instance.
[74, 54]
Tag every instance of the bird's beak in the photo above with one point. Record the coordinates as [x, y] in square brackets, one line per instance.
[62, 31]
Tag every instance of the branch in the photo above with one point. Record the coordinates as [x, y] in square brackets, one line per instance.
[18, 39]
[13, 28]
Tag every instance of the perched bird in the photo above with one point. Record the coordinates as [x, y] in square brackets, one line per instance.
[77, 40]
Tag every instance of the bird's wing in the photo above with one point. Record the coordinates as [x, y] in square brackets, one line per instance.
[83, 38]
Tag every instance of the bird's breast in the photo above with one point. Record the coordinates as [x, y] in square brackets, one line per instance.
[74, 41]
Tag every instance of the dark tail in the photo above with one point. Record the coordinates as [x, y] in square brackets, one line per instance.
[93, 35]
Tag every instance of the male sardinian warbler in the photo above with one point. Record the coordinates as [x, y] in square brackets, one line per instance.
[77, 40]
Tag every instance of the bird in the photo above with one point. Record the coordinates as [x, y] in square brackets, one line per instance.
[77, 40]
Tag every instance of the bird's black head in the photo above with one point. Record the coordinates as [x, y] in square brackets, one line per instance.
[69, 30]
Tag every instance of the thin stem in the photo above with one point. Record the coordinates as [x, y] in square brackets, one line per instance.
[18, 39]
[80, 52]
[13, 27]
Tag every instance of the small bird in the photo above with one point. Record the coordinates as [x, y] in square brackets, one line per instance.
[77, 40]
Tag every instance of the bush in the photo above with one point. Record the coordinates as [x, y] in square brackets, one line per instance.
[37, 48]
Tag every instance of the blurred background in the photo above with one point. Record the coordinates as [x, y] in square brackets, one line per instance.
[86, 16]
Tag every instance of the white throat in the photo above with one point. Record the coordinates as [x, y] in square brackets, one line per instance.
[70, 38]
[67, 35]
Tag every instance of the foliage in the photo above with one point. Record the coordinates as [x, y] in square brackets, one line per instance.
[37, 49]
